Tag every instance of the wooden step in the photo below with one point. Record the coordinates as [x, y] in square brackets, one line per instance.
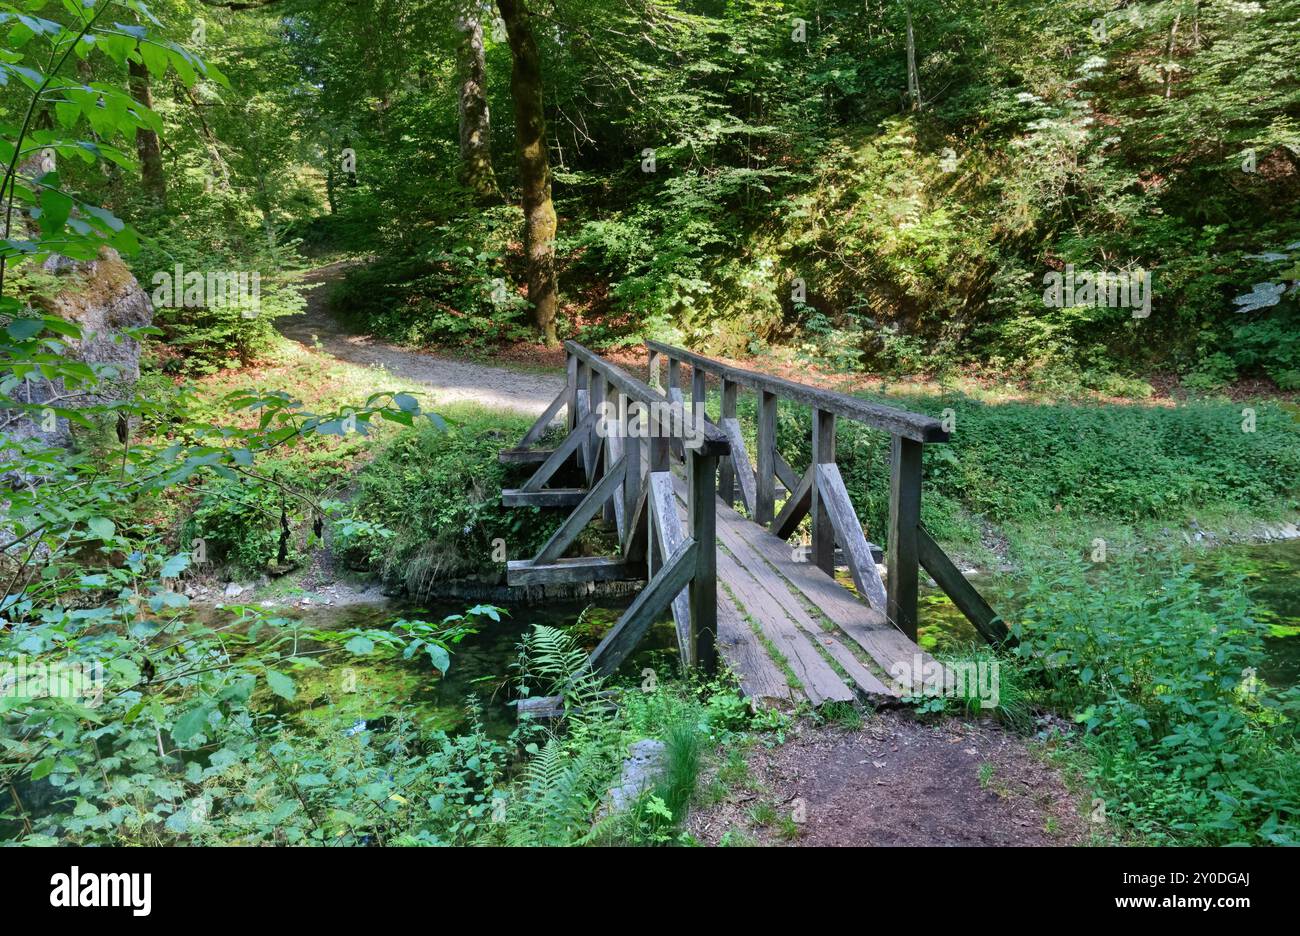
[547, 497]
[524, 456]
[569, 571]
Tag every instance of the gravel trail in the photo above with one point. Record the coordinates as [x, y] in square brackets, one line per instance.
[448, 380]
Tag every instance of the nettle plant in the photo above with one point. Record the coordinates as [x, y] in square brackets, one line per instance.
[166, 704]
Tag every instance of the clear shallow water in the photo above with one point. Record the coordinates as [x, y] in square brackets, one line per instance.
[1273, 572]
[349, 689]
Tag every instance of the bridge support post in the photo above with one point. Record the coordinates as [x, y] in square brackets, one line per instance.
[703, 518]
[765, 466]
[823, 453]
[571, 388]
[904, 519]
[727, 475]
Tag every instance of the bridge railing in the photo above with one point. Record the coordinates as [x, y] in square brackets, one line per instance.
[621, 432]
[821, 491]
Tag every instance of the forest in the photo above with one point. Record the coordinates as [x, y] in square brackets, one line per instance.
[284, 283]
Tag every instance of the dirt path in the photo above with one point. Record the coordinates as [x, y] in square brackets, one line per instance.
[894, 781]
[449, 381]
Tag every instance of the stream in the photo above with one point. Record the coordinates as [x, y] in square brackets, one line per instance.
[340, 696]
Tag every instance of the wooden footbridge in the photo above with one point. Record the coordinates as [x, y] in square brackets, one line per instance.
[665, 476]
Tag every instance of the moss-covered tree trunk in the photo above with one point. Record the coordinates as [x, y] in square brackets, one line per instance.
[147, 145]
[534, 165]
[475, 118]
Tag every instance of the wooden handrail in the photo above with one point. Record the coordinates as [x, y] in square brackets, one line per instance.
[714, 442]
[821, 493]
[900, 422]
[627, 463]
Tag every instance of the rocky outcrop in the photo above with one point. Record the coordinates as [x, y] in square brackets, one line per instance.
[102, 297]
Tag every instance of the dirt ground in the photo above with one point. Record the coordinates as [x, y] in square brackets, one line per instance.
[894, 781]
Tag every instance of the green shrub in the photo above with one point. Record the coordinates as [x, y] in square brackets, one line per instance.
[438, 493]
[1188, 745]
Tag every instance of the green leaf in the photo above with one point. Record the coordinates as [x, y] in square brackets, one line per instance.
[281, 685]
[43, 769]
[101, 527]
[359, 645]
[439, 657]
[24, 328]
[191, 723]
[175, 566]
[55, 210]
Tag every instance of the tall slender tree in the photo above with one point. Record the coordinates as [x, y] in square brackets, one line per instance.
[147, 145]
[534, 165]
[475, 118]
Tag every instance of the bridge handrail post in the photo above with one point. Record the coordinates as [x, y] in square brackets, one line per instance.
[823, 452]
[901, 556]
[765, 460]
[571, 388]
[727, 472]
[702, 471]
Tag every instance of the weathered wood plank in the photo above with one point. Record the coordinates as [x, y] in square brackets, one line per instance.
[552, 708]
[796, 506]
[654, 370]
[713, 442]
[636, 537]
[636, 620]
[739, 461]
[570, 571]
[669, 535]
[571, 444]
[730, 527]
[848, 530]
[759, 676]
[616, 432]
[635, 468]
[574, 523]
[543, 422]
[551, 497]
[521, 456]
[886, 645]
[817, 678]
[784, 472]
[571, 364]
[963, 594]
[592, 446]
[782, 597]
[584, 410]
[904, 518]
[677, 444]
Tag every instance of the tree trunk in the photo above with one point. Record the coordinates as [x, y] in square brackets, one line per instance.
[147, 145]
[534, 165]
[475, 120]
[913, 79]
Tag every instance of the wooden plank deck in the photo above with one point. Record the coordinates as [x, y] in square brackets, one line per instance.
[790, 631]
